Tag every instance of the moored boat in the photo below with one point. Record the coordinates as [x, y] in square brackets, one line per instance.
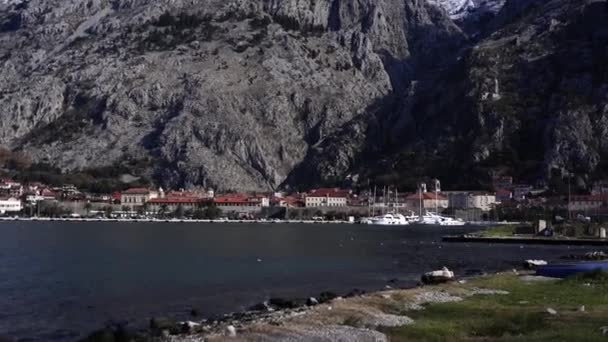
[566, 270]
[387, 220]
[436, 219]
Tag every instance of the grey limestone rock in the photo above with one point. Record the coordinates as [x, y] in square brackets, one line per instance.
[260, 94]
[230, 94]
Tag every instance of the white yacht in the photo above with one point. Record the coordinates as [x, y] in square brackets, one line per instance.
[387, 220]
[432, 218]
[412, 218]
[436, 219]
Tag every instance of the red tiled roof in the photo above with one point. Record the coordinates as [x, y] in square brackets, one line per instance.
[47, 193]
[503, 192]
[136, 191]
[286, 199]
[293, 201]
[590, 198]
[231, 196]
[297, 195]
[236, 201]
[173, 200]
[172, 194]
[236, 198]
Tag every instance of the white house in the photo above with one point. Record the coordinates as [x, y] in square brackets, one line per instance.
[241, 203]
[470, 199]
[137, 197]
[483, 201]
[10, 205]
[588, 202]
[327, 198]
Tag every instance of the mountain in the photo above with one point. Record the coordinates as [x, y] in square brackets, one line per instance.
[528, 100]
[533, 94]
[461, 9]
[262, 94]
[226, 94]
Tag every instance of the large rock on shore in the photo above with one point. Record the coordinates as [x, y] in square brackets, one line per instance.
[437, 277]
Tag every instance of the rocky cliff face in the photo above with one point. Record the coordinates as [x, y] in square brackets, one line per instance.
[255, 94]
[228, 94]
[537, 89]
[527, 100]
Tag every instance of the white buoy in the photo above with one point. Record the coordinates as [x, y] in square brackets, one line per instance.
[230, 331]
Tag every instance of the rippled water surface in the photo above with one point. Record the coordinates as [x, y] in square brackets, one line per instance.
[59, 281]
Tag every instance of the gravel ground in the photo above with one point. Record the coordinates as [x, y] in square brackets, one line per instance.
[476, 291]
[388, 320]
[350, 319]
[427, 297]
[303, 333]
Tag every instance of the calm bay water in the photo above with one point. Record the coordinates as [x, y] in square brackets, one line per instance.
[59, 281]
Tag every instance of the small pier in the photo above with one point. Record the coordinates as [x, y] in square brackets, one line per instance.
[526, 240]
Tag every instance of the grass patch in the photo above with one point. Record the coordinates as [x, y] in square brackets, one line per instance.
[498, 231]
[595, 277]
[518, 316]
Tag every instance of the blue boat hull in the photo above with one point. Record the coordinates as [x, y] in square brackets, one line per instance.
[566, 270]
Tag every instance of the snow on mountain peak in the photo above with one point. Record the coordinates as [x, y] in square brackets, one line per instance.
[460, 9]
[10, 2]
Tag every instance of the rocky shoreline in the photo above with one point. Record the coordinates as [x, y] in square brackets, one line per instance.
[273, 311]
[356, 316]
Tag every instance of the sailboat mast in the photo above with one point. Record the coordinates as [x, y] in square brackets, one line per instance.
[369, 203]
[437, 188]
[374, 205]
[420, 200]
[396, 200]
[384, 200]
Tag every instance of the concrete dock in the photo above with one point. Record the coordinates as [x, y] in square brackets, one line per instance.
[526, 240]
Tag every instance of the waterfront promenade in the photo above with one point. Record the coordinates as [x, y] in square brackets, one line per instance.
[171, 220]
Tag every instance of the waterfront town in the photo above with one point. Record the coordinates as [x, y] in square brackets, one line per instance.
[508, 200]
